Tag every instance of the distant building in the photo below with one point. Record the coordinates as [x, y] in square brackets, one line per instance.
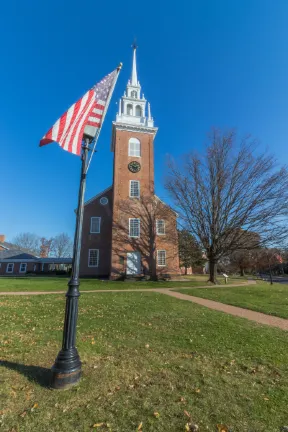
[127, 229]
[17, 262]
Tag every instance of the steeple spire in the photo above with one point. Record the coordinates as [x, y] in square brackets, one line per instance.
[134, 81]
[132, 105]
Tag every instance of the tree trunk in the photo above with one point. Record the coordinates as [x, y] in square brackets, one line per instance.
[242, 272]
[212, 271]
[185, 270]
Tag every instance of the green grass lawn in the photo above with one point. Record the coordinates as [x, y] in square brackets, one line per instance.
[266, 298]
[142, 353]
[60, 284]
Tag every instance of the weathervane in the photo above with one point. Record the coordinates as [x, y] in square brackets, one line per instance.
[134, 45]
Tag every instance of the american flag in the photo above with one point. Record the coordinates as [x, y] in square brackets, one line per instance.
[87, 111]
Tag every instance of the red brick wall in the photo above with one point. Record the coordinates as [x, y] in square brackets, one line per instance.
[16, 268]
[101, 241]
[125, 207]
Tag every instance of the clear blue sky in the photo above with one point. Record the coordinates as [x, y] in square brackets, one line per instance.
[200, 63]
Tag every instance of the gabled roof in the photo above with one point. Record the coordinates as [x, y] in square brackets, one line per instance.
[167, 205]
[97, 196]
[6, 245]
[16, 254]
[10, 247]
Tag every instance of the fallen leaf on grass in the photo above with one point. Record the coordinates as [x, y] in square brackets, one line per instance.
[156, 414]
[197, 391]
[187, 414]
[266, 398]
[34, 407]
[23, 414]
[96, 425]
[222, 428]
[140, 427]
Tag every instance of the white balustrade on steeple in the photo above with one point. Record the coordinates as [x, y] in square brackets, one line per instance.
[132, 106]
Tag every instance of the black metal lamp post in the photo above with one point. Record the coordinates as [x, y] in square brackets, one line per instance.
[66, 370]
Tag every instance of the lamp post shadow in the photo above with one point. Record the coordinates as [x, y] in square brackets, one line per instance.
[37, 374]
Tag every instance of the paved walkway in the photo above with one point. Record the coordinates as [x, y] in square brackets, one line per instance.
[259, 317]
[231, 310]
[21, 293]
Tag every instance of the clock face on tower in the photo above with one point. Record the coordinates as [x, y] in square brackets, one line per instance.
[134, 166]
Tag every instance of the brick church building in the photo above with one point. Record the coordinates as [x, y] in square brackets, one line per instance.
[127, 229]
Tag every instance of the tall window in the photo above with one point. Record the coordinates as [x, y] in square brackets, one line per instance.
[134, 147]
[160, 226]
[134, 189]
[138, 111]
[134, 227]
[161, 258]
[93, 258]
[129, 109]
[134, 94]
[23, 267]
[95, 225]
[9, 268]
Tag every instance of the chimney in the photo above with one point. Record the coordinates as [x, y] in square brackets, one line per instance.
[2, 238]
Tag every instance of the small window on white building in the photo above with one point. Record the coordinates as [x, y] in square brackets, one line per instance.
[95, 224]
[129, 109]
[9, 268]
[23, 268]
[160, 226]
[134, 189]
[161, 258]
[138, 111]
[134, 147]
[93, 258]
[134, 227]
[134, 94]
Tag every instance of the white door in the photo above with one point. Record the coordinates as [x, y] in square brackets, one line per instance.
[133, 263]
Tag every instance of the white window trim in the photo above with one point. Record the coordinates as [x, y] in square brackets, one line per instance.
[95, 232]
[157, 231]
[129, 153]
[161, 265]
[21, 271]
[8, 266]
[130, 182]
[97, 265]
[133, 236]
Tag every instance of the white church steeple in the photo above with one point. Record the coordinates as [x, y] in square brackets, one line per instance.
[132, 105]
[134, 80]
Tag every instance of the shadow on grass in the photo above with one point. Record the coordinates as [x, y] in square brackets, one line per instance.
[39, 375]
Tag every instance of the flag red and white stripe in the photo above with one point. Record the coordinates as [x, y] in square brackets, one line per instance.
[69, 128]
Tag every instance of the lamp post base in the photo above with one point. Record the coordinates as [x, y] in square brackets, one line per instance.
[66, 371]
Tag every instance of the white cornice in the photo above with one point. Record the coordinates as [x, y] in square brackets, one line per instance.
[130, 128]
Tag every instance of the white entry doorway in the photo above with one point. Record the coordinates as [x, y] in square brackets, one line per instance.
[133, 263]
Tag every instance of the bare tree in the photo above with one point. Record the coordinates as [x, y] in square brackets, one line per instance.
[62, 246]
[28, 241]
[231, 190]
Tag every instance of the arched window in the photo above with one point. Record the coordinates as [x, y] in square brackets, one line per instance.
[129, 109]
[134, 147]
[134, 94]
[138, 111]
